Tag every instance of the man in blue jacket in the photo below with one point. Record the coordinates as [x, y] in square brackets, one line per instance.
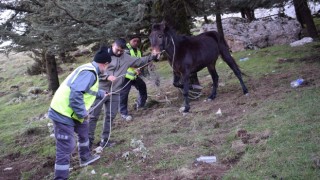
[69, 112]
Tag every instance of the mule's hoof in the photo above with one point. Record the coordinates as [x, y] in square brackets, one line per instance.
[208, 100]
[247, 94]
[185, 113]
[181, 110]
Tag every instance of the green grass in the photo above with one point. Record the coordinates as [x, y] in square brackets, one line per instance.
[294, 142]
[291, 115]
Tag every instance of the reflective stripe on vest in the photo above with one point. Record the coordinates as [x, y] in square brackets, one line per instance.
[131, 73]
[62, 167]
[60, 101]
[132, 53]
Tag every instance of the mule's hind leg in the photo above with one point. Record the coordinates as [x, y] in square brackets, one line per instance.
[215, 78]
[226, 56]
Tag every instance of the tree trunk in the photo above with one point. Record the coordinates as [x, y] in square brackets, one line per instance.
[243, 15]
[253, 16]
[248, 13]
[303, 11]
[281, 12]
[62, 57]
[206, 19]
[52, 72]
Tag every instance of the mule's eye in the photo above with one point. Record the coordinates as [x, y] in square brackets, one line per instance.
[159, 35]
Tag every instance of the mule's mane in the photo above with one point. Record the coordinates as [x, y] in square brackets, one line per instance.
[168, 29]
[156, 27]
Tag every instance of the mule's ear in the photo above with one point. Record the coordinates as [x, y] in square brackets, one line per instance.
[163, 25]
[154, 26]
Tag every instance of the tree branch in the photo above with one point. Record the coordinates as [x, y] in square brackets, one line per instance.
[68, 13]
[37, 3]
[18, 9]
[89, 22]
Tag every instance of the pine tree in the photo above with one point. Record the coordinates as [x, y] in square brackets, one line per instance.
[58, 26]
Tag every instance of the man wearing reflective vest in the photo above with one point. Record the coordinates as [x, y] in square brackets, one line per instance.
[132, 78]
[69, 112]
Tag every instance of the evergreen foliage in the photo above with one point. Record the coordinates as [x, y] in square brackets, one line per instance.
[61, 25]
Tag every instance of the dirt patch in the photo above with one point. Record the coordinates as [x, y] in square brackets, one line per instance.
[309, 59]
[230, 100]
[13, 165]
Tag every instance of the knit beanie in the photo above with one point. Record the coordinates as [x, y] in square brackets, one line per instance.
[102, 56]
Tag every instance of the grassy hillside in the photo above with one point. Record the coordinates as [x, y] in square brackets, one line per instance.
[272, 133]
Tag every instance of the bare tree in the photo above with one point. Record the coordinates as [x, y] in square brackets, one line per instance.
[304, 16]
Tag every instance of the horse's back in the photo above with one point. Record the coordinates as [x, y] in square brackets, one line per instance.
[209, 33]
[213, 34]
[201, 50]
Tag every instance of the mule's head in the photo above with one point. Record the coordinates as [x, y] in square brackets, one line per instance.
[157, 37]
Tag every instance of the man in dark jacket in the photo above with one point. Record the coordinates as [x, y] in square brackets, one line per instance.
[113, 81]
[69, 112]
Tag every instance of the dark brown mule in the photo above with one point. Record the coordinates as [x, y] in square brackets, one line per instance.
[190, 54]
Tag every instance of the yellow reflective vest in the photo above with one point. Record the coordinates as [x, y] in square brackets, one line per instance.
[60, 101]
[131, 73]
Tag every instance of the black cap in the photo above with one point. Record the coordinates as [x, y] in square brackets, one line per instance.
[102, 56]
[133, 36]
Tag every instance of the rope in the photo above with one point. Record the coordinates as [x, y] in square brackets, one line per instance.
[192, 94]
[99, 103]
[103, 101]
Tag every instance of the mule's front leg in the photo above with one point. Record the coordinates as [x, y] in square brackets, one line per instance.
[186, 84]
[176, 81]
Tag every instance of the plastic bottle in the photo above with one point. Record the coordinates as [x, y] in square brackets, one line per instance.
[244, 59]
[296, 83]
[207, 159]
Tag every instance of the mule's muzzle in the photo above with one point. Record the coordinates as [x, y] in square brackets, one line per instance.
[155, 51]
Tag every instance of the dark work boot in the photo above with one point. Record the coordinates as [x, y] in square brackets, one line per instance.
[88, 160]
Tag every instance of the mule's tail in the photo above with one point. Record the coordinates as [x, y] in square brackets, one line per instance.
[225, 53]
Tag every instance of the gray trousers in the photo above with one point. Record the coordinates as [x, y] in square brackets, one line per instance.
[111, 107]
[65, 144]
